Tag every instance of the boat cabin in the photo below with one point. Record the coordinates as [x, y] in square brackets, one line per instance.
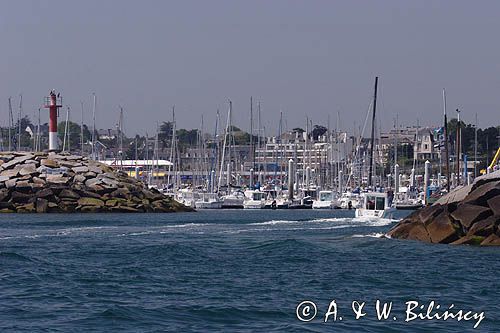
[255, 195]
[375, 201]
[326, 196]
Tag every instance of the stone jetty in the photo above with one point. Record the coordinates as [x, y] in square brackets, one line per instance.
[63, 183]
[468, 215]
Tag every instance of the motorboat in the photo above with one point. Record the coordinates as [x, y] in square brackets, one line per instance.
[376, 205]
[233, 200]
[254, 199]
[349, 200]
[208, 201]
[187, 197]
[326, 200]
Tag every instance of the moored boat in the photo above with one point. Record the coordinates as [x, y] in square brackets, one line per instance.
[326, 200]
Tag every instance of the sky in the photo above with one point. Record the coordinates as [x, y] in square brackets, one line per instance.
[308, 59]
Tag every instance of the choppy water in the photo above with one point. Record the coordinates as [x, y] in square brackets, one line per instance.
[230, 271]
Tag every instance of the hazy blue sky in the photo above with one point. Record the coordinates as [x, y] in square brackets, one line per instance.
[307, 58]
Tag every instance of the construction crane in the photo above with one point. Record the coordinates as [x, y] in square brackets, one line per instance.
[494, 161]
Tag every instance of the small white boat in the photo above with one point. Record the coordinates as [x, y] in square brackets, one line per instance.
[376, 205]
[350, 200]
[326, 200]
[187, 197]
[254, 199]
[233, 200]
[408, 199]
[208, 201]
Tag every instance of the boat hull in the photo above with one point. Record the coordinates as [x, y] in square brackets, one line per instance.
[208, 205]
[387, 213]
[253, 205]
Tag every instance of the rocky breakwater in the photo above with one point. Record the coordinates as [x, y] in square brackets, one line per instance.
[467, 215]
[63, 183]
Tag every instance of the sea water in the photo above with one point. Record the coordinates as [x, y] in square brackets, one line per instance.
[234, 271]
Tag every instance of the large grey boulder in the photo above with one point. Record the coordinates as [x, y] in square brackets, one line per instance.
[469, 215]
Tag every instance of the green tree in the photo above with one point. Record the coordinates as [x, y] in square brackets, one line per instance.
[74, 130]
[165, 134]
[318, 131]
[187, 137]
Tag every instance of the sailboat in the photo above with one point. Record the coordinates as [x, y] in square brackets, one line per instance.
[231, 199]
[375, 204]
[207, 199]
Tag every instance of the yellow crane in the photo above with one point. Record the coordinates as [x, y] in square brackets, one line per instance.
[493, 161]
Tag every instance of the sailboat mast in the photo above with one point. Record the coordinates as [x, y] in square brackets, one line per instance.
[337, 141]
[171, 168]
[120, 129]
[66, 137]
[279, 156]
[259, 133]
[81, 130]
[215, 154]
[446, 143]
[93, 128]
[475, 148]
[11, 121]
[156, 153]
[20, 118]
[223, 156]
[370, 172]
[396, 127]
[329, 158]
[38, 132]
[252, 148]
[231, 140]
[459, 147]
[204, 162]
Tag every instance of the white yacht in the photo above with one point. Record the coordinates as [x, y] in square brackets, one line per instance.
[187, 197]
[208, 201]
[233, 200]
[279, 201]
[254, 199]
[375, 204]
[326, 200]
[350, 200]
[408, 199]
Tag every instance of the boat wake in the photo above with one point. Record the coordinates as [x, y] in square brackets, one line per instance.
[372, 235]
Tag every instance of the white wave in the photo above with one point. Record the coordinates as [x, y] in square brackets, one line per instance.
[274, 222]
[363, 221]
[370, 222]
[88, 228]
[304, 227]
[277, 222]
[373, 235]
[332, 219]
[139, 233]
[187, 225]
[165, 229]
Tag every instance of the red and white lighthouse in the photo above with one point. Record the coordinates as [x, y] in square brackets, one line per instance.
[53, 102]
